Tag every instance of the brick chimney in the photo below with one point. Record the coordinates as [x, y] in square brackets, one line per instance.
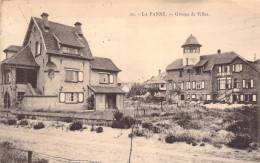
[219, 51]
[78, 29]
[45, 22]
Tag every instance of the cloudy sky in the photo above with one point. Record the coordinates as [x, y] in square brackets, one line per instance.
[141, 45]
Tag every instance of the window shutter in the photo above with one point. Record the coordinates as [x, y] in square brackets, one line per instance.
[252, 83]
[81, 97]
[39, 49]
[80, 76]
[194, 85]
[244, 83]
[111, 78]
[174, 85]
[228, 68]
[62, 97]
[254, 98]
[233, 68]
[182, 86]
[203, 84]
[240, 67]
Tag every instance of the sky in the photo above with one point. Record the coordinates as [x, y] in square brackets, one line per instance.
[141, 45]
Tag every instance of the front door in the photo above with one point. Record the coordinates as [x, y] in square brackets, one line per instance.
[111, 101]
[235, 99]
[7, 101]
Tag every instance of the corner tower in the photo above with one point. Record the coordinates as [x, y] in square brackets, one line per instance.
[191, 51]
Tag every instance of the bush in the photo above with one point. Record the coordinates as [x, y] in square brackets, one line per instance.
[240, 142]
[92, 128]
[11, 121]
[39, 125]
[155, 115]
[20, 116]
[24, 123]
[33, 118]
[148, 126]
[170, 139]
[76, 126]
[124, 123]
[240, 127]
[99, 129]
[67, 119]
[118, 115]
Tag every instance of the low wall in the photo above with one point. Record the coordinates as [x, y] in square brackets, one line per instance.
[49, 103]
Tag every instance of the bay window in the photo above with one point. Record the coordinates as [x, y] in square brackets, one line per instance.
[224, 83]
[249, 83]
[237, 67]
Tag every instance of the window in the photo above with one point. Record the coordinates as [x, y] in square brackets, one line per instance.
[187, 61]
[39, 48]
[202, 84]
[208, 97]
[187, 85]
[36, 48]
[198, 85]
[194, 85]
[71, 97]
[20, 95]
[180, 73]
[193, 96]
[105, 78]
[182, 86]
[8, 77]
[254, 98]
[235, 83]
[74, 76]
[70, 50]
[248, 83]
[246, 97]
[198, 70]
[241, 97]
[237, 67]
[224, 83]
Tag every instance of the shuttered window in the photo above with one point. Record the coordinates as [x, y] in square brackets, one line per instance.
[80, 76]
[74, 76]
[62, 97]
[81, 97]
[202, 84]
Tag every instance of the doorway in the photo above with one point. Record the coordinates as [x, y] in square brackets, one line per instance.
[7, 101]
[235, 99]
[110, 101]
[182, 97]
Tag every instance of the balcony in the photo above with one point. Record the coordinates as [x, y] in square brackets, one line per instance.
[236, 90]
[224, 73]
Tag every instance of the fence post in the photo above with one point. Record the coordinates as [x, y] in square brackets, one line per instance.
[30, 156]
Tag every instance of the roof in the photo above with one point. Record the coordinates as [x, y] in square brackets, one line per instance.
[208, 61]
[23, 58]
[105, 64]
[13, 48]
[63, 35]
[157, 79]
[100, 89]
[191, 40]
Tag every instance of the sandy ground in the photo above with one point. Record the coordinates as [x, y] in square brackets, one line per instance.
[113, 146]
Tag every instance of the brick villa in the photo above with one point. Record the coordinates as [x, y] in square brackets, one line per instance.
[217, 77]
[54, 69]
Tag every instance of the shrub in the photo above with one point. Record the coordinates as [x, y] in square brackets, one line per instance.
[118, 115]
[155, 115]
[202, 144]
[67, 119]
[240, 127]
[170, 139]
[140, 133]
[194, 144]
[11, 121]
[125, 123]
[240, 142]
[24, 123]
[33, 118]
[147, 125]
[39, 125]
[77, 125]
[20, 116]
[92, 128]
[99, 129]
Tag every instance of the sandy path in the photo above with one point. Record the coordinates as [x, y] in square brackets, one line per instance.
[113, 146]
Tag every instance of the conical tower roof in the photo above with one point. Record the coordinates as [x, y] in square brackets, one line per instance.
[191, 40]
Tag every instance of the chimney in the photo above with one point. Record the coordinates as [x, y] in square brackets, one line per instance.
[159, 71]
[78, 29]
[219, 51]
[45, 22]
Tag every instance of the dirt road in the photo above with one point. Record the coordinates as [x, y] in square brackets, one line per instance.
[113, 146]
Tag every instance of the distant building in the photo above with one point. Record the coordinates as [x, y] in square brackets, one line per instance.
[159, 82]
[55, 69]
[216, 77]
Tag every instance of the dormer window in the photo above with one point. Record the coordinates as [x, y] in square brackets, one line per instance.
[70, 50]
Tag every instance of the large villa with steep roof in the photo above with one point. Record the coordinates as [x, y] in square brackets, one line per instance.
[55, 69]
[224, 77]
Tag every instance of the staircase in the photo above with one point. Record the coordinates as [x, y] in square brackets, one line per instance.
[225, 95]
[37, 91]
